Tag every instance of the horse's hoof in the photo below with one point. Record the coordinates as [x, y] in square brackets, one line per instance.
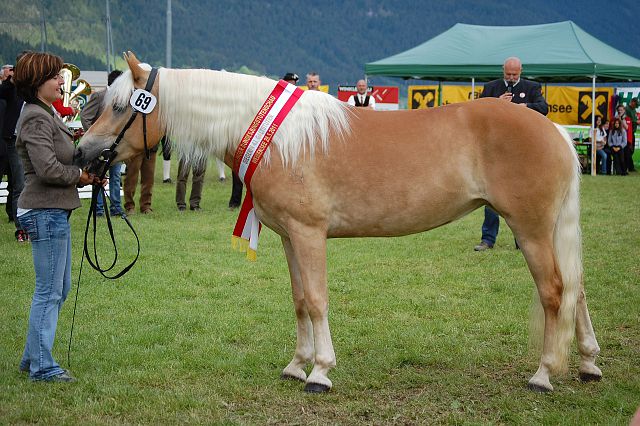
[538, 388]
[589, 377]
[284, 376]
[316, 388]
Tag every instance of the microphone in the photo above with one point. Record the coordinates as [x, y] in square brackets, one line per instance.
[509, 87]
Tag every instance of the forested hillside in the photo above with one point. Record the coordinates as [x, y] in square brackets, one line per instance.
[334, 38]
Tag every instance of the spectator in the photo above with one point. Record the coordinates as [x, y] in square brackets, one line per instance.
[601, 142]
[361, 98]
[4, 161]
[510, 88]
[631, 113]
[236, 192]
[145, 167]
[166, 160]
[63, 111]
[221, 175]
[617, 141]
[13, 106]
[44, 207]
[291, 78]
[313, 81]
[197, 181]
[89, 115]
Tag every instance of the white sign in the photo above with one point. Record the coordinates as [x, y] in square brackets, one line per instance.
[143, 101]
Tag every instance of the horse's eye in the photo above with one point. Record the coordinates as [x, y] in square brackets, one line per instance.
[119, 109]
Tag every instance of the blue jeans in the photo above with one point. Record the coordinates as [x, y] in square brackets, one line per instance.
[17, 176]
[114, 192]
[490, 226]
[603, 158]
[50, 236]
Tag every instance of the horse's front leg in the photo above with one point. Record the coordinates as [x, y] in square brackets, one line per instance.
[309, 246]
[304, 332]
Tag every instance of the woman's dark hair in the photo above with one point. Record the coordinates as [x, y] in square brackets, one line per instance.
[602, 123]
[613, 126]
[33, 70]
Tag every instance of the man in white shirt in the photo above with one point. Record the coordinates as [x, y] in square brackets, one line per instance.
[361, 98]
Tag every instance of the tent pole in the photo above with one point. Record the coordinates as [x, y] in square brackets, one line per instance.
[473, 88]
[593, 125]
[439, 92]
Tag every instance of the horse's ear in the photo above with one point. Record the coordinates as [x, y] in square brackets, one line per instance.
[131, 59]
[134, 65]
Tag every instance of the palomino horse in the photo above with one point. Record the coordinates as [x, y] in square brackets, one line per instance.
[336, 171]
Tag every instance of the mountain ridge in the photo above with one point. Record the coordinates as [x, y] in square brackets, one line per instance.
[331, 37]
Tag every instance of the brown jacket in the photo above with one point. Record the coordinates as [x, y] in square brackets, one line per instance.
[92, 109]
[46, 148]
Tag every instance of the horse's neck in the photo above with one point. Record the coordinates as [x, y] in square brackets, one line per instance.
[207, 112]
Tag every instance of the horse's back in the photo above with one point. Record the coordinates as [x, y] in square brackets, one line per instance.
[401, 172]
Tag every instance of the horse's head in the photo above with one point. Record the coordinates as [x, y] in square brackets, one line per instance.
[116, 113]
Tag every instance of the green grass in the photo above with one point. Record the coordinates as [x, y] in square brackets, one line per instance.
[425, 330]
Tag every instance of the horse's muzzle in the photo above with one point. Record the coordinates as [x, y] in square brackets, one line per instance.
[99, 165]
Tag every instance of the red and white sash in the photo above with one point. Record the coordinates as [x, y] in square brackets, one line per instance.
[252, 147]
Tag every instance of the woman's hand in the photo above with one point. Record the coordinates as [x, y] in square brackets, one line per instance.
[86, 178]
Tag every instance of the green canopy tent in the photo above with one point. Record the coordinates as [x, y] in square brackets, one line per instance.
[557, 52]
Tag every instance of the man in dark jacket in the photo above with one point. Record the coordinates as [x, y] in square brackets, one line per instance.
[510, 88]
[9, 94]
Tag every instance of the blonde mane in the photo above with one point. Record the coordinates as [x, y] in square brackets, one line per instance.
[206, 112]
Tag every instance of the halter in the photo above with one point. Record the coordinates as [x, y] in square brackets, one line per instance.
[100, 166]
[103, 162]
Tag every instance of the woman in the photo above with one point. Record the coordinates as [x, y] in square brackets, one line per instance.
[617, 141]
[601, 141]
[49, 195]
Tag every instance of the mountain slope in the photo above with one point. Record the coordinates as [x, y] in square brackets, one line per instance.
[334, 38]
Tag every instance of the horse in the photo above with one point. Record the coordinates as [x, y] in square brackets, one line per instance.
[335, 171]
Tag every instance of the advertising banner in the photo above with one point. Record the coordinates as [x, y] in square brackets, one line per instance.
[567, 104]
[323, 88]
[427, 96]
[387, 97]
[573, 105]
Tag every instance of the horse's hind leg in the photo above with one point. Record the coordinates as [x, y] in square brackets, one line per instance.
[304, 333]
[540, 258]
[587, 343]
[309, 246]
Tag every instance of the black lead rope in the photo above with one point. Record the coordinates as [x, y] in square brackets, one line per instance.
[100, 166]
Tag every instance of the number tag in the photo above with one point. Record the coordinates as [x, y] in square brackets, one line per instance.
[143, 101]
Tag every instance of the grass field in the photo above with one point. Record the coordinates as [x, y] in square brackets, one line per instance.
[426, 331]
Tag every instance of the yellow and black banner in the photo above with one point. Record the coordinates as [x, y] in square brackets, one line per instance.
[567, 104]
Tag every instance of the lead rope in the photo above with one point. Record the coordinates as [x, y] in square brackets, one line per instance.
[95, 192]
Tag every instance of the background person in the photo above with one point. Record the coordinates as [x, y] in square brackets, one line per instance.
[510, 88]
[601, 142]
[89, 115]
[144, 167]
[631, 113]
[362, 98]
[13, 106]
[291, 78]
[313, 81]
[166, 160]
[45, 204]
[617, 141]
[197, 181]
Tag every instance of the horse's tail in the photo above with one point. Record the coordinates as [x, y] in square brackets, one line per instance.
[567, 243]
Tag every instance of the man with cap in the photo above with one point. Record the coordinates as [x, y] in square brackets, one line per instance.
[628, 150]
[291, 77]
